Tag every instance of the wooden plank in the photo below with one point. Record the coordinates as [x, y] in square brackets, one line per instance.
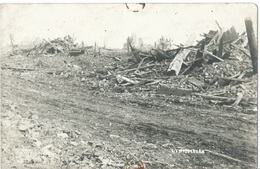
[236, 75]
[227, 99]
[214, 56]
[196, 82]
[218, 25]
[197, 59]
[212, 97]
[239, 98]
[144, 67]
[187, 69]
[232, 79]
[177, 62]
[174, 91]
[139, 65]
[230, 35]
[145, 55]
[242, 75]
[121, 79]
[19, 69]
[238, 39]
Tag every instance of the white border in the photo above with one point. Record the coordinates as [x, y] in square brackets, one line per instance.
[127, 1]
[256, 2]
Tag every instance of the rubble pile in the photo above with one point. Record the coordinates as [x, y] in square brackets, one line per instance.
[218, 68]
[65, 45]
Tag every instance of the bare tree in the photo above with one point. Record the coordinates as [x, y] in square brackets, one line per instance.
[140, 42]
[130, 40]
[164, 43]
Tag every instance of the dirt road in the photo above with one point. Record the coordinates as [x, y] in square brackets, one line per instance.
[53, 122]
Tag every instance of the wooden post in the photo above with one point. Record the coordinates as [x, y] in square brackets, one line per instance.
[199, 54]
[220, 48]
[11, 39]
[95, 47]
[12, 43]
[127, 45]
[218, 25]
[252, 43]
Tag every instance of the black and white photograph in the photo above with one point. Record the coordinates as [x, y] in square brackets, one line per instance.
[129, 85]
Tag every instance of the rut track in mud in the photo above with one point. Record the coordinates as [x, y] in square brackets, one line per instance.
[74, 105]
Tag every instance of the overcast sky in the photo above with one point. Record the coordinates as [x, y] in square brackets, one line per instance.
[112, 23]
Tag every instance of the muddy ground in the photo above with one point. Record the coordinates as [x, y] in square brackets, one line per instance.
[53, 116]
